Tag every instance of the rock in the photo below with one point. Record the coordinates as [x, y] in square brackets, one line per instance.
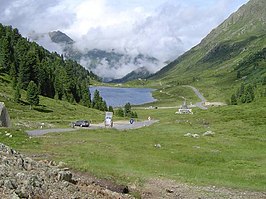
[22, 192]
[192, 135]
[34, 181]
[23, 177]
[10, 184]
[157, 146]
[61, 164]
[125, 190]
[64, 176]
[169, 190]
[188, 135]
[208, 133]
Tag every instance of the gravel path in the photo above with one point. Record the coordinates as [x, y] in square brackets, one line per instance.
[200, 96]
[119, 125]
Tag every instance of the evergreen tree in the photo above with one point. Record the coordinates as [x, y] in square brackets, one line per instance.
[241, 91]
[32, 94]
[248, 97]
[250, 92]
[111, 109]
[238, 75]
[5, 54]
[96, 102]
[86, 95]
[103, 106]
[127, 110]
[120, 112]
[17, 94]
[233, 100]
[13, 74]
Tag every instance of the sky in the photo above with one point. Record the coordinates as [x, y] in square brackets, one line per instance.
[160, 28]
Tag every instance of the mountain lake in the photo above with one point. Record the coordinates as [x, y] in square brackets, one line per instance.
[117, 97]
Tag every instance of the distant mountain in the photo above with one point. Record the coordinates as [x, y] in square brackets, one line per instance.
[60, 37]
[96, 59]
[140, 73]
[232, 53]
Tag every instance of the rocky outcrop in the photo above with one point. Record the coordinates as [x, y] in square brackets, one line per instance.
[23, 177]
[4, 116]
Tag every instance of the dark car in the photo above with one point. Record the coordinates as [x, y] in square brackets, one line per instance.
[81, 123]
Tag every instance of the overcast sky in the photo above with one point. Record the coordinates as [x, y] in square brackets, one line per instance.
[161, 28]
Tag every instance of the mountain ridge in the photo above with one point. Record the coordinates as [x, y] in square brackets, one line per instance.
[216, 58]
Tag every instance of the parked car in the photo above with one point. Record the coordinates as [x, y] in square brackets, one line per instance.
[81, 123]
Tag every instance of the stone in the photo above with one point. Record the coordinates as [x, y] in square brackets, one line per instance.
[4, 116]
[208, 133]
[10, 184]
[64, 176]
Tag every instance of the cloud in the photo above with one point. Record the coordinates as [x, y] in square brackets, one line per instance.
[160, 28]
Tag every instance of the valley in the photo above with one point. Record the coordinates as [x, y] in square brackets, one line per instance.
[216, 152]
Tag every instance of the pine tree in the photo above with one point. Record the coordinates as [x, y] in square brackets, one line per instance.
[127, 110]
[250, 91]
[96, 102]
[86, 95]
[233, 100]
[134, 114]
[5, 54]
[111, 109]
[103, 106]
[120, 112]
[17, 94]
[32, 94]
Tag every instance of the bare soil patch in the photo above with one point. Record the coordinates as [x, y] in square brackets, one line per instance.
[169, 189]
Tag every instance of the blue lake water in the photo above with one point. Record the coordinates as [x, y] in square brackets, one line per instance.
[116, 97]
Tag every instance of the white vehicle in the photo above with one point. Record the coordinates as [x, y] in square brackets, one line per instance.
[108, 119]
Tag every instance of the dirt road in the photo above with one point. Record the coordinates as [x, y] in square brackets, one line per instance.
[119, 125]
[200, 96]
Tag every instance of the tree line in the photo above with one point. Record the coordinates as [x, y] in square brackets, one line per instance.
[31, 68]
[244, 94]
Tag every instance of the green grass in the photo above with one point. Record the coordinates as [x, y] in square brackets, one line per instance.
[234, 157]
[54, 113]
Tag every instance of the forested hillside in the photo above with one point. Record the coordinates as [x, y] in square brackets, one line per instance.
[54, 76]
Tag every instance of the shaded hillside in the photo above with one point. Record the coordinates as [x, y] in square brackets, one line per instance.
[141, 73]
[233, 50]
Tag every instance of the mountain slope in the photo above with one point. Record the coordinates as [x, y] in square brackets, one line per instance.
[225, 56]
[60, 37]
[136, 74]
[26, 62]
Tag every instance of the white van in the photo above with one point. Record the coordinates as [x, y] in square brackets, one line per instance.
[108, 119]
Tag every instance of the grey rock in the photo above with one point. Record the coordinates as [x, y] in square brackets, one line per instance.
[10, 184]
[64, 176]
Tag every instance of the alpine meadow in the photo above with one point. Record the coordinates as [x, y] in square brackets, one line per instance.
[206, 139]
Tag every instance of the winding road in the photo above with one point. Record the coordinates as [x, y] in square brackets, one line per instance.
[200, 96]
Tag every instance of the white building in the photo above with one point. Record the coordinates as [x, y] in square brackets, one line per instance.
[184, 109]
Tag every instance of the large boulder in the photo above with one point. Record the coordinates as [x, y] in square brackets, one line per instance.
[4, 116]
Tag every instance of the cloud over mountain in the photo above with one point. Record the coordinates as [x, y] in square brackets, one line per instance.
[160, 28]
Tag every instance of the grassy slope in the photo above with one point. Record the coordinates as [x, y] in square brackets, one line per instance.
[54, 113]
[234, 157]
[210, 65]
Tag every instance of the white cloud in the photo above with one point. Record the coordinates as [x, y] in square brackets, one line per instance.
[160, 28]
